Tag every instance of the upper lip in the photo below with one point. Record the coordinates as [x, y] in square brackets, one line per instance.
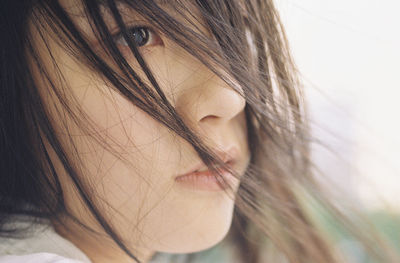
[231, 155]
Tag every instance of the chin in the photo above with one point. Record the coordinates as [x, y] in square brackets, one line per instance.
[206, 241]
[195, 243]
[204, 233]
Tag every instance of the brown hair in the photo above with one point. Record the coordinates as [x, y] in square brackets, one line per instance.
[248, 45]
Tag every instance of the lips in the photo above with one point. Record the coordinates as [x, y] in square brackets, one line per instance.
[230, 157]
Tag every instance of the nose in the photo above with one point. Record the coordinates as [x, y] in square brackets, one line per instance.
[210, 103]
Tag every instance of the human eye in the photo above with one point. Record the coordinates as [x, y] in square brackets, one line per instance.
[142, 36]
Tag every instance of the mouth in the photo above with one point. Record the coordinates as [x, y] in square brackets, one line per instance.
[207, 180]
[230, 157]
[201, 178]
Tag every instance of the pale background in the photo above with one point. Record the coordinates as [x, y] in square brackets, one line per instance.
[349, 54]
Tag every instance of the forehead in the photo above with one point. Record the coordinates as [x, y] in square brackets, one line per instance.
[182, 10]
[76, 7]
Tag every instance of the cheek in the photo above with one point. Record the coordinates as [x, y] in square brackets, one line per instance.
[125, 149]
[123, 153]
[108, 120]
[176, 70]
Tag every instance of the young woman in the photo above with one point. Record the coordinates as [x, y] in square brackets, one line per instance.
[135, 128]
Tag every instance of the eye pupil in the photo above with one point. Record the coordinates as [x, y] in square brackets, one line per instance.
[140, 36]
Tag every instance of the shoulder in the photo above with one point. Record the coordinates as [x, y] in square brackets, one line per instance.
[37, 258]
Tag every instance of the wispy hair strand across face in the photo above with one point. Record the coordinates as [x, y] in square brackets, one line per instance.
[244, 44]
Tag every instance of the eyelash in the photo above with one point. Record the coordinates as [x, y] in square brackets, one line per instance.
[147, 34]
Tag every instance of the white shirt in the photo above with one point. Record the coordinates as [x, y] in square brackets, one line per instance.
[40, 244]
[44, 245]
[37, 258]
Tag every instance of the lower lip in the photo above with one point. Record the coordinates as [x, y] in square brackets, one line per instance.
[206, 181]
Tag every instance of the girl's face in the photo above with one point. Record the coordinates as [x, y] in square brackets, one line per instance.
[138, 193]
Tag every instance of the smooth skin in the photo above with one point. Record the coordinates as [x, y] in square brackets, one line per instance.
[138, 193]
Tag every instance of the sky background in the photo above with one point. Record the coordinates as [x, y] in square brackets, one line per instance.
[348, 52]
